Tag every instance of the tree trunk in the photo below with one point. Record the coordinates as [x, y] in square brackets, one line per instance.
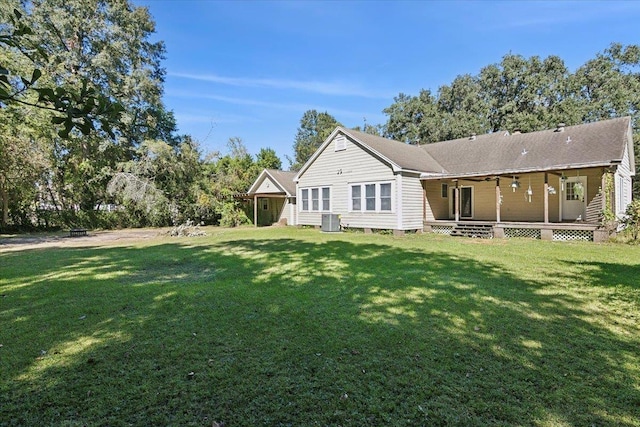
[5, 204]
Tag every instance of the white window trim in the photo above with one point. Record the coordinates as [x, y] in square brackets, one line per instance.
[363, 197]
[310, 199]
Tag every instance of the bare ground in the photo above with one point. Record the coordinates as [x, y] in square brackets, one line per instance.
[94, 238]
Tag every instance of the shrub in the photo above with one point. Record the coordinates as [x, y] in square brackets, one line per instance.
[631, 220]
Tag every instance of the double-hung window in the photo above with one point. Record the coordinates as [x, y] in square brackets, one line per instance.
[315, 199]
[326, 199]
[385, 197]
[371, 197]
[356, 197]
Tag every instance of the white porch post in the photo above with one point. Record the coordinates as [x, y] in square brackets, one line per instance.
[456, 207]
[498, 199]
[546, 198]
[255, 210]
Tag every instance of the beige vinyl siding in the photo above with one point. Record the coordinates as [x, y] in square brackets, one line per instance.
[437, 206]
[412, 205]
[340, 169]
[515, 205]
[268, 186]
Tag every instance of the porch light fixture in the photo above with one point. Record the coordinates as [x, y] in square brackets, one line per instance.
[563, 180]
[529, 193]
[515, 184]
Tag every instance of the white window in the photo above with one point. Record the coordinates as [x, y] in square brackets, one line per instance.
[377, 197]
[356, 197]
[326, 199]
[385, 197]
[315, 198]
[370, 196]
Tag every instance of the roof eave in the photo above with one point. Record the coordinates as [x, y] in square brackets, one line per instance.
[433, 176]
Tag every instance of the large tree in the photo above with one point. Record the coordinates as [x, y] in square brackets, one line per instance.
[523, 93]
[314, 128]
[89, 54]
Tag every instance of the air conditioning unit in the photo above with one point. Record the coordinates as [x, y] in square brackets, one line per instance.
[330, 223]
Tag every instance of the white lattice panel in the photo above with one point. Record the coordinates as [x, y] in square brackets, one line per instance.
[565, 235]
[442, 229]
[522, 232]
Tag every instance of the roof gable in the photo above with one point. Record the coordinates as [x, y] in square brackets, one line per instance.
[397, 155]
[282, 179]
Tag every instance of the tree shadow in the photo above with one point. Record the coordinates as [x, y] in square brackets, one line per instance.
[292, 332]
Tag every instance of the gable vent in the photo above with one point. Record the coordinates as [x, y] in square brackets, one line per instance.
[340, 143]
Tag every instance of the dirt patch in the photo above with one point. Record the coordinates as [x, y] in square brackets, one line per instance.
[62, 239]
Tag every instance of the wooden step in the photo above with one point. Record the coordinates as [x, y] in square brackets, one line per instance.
[482, 231]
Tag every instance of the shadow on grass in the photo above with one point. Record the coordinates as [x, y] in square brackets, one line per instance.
[291, 332]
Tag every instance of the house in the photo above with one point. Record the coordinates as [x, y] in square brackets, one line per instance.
[553, 184]
[273, 194]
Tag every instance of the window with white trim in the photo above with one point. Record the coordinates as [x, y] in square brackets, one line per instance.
[315, 198]
[385, 197]
[356, 197]
[326, 199]
[371, 197]
[315, 203]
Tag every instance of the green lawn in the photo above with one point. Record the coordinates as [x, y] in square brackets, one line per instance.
[292, 327]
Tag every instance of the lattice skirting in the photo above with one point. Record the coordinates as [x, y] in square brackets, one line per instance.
[532, 233]
[442, 229]
[565, 235]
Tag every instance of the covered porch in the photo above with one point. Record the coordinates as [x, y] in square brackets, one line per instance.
[549, 205]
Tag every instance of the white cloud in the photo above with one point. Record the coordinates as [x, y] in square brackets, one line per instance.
[323, 88]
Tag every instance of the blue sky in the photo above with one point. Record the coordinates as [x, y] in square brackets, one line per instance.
[250, 69]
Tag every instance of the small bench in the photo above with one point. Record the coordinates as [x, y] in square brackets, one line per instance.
[77, 232]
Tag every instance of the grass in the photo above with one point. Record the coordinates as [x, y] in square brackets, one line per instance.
[290, 327]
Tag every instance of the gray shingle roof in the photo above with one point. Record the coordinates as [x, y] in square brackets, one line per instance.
[285, 180]
[409, 157]
[592, 144]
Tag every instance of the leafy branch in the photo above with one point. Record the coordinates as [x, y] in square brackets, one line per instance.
[79, 109]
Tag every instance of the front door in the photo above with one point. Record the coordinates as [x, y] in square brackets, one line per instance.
[574, 198]
[466, 202]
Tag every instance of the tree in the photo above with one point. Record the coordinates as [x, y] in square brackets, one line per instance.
[159, 187]
[80, 109]
[314, 129]
[81, 57]
[529, 94]
[268, 159]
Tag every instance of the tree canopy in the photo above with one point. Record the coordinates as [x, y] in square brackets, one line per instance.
[314, 128]
[525, 93]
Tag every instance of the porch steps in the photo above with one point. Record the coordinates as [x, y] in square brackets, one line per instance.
[482, 231]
